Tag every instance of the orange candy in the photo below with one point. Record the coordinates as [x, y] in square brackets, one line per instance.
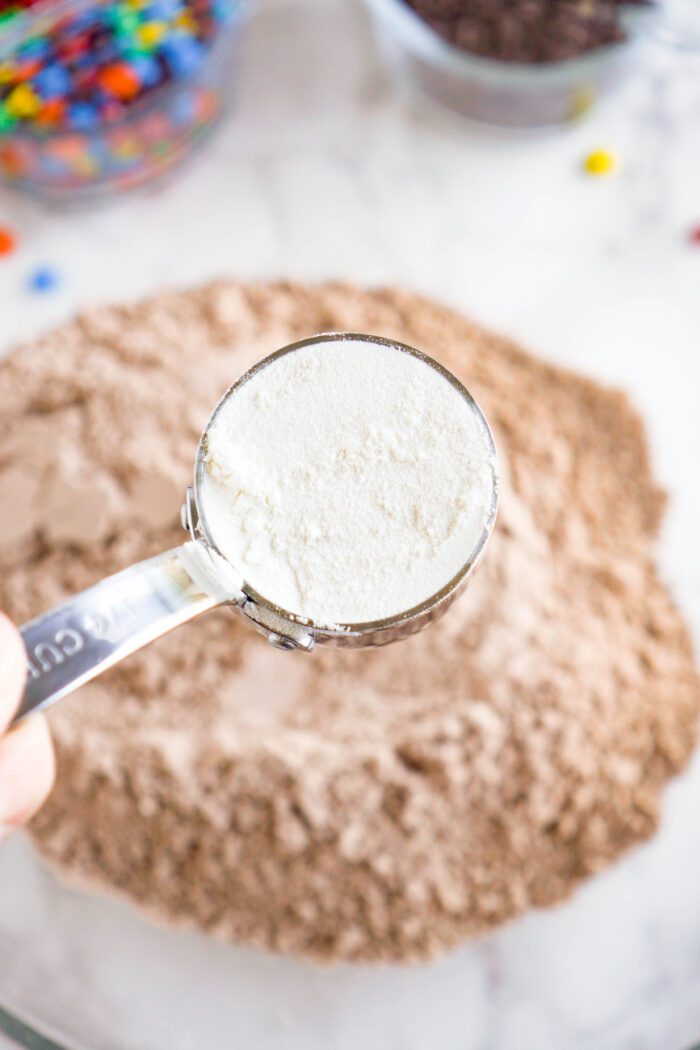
[28, 69]
[8, 241]
[120, 80]
[51, 112]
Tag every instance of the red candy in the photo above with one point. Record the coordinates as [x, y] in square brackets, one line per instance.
[694, 236]
[73, 47]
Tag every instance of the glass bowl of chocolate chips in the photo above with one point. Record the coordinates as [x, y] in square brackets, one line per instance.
[514, 63]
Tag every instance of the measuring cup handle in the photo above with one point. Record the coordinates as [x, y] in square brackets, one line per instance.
[94, 630]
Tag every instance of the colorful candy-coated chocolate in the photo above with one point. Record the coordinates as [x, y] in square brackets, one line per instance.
[43, 279]
[125, 22]
[53, 81]
[601, 162]
[7, 120]
[108, 95]
[183, 55]
[51, 113]
[120, 80]
[186, 22]
[118, 156]
[124, 48]
[27, 68]
[22, 101]
[164, 10]
[8, 241]
[83, 116]
[146, 69]
[150, 34]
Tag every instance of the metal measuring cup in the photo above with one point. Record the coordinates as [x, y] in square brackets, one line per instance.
[82, 637]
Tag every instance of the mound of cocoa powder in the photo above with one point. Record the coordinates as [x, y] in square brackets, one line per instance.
[373, 805]
[527, 30]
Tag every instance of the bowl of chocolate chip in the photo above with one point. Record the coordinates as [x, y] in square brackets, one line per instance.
[513, 63]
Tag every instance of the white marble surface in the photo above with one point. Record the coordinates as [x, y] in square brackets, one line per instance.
[323, 173]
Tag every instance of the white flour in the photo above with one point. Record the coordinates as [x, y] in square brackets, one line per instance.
[347, 481]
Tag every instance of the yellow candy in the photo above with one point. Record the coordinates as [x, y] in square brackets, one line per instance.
[151, 33]
[7, 73]
[186, 21]
[600, 162]
[22, 102]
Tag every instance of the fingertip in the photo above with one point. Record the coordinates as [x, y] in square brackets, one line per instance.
[13, 669]
[27, 771]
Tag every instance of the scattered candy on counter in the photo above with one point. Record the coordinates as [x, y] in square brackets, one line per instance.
[111, 92]
[600, 162]
[43, 279]
[8, 241]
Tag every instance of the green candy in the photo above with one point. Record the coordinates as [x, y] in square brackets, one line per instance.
[135, 51]
[7, 120]
[125, 22]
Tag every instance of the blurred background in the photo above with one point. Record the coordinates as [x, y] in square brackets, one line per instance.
[340, 148]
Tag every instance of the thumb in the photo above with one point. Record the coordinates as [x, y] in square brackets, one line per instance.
[13, 670]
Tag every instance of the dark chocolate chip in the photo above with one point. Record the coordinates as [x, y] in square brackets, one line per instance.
[527, 30]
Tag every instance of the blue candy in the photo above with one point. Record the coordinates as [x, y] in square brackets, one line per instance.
[183, 55]
[146, 69]
[52, 82]
[163, 10]
[43, 279]
[83, 116]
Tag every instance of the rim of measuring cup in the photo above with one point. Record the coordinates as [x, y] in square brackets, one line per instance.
[416, 612]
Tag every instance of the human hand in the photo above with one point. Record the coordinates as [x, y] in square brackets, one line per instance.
[26, 754]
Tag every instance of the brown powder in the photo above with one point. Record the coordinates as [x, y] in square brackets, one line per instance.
[373, 805]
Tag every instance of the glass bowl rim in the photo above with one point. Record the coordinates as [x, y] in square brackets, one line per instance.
[416, 35]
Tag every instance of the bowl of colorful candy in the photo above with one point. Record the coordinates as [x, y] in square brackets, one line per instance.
[103, 95]
[513, 63]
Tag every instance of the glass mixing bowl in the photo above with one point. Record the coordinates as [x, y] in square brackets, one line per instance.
[509, 94]
[154, 133]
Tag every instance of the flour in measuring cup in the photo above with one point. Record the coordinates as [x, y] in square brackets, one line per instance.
[348, 481]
